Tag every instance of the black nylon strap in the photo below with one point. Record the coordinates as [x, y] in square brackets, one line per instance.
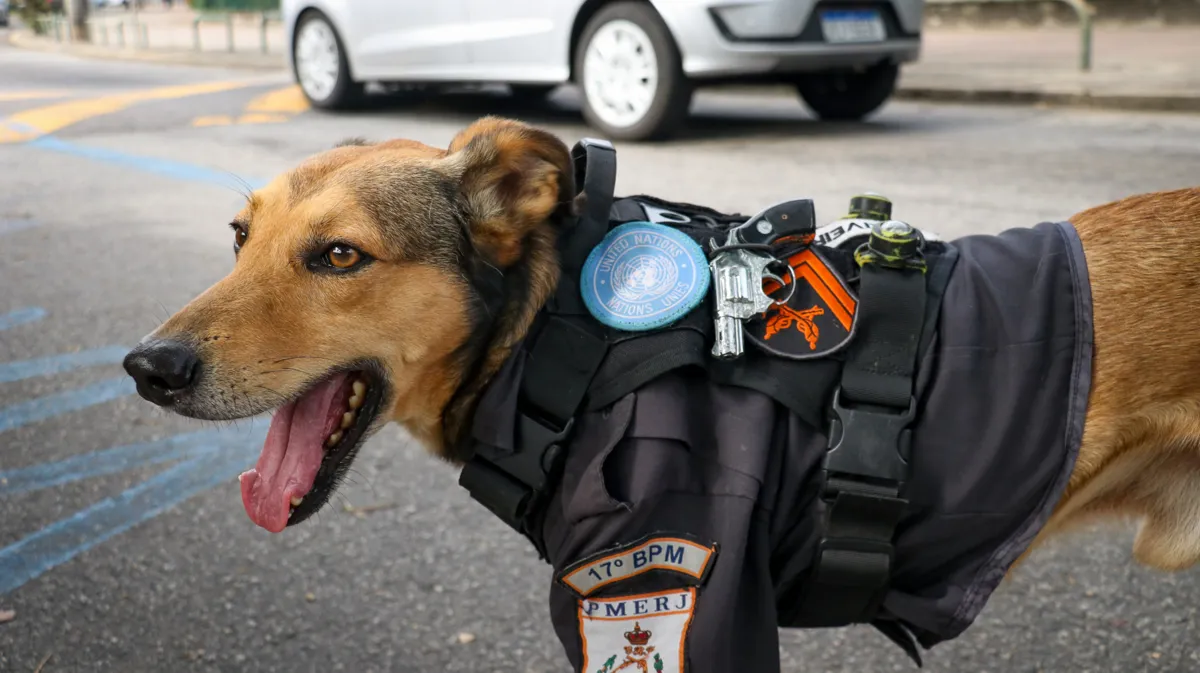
[564, 354]
[867, 463]
[883, 356]
[595, 165]
[560, 366]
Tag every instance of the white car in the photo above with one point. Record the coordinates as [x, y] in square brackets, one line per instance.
[636, 62]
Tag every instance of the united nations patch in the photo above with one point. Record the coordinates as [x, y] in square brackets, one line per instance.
[817, 320]
[644, 276]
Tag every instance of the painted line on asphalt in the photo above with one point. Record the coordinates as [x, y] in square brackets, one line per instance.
[56, 364]
[7, 96]
[21, 316]
[65, 539]
[163, 167]
[30, 124]
[13, 226]
[122, 458]
[49, 406]
[272, 107]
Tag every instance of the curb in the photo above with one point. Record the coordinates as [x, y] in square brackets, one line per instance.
[1129, 103]
[206, 59]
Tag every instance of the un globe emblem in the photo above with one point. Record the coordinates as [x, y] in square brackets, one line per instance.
[644, 276]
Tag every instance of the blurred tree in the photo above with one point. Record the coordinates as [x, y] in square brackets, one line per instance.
[32, 10]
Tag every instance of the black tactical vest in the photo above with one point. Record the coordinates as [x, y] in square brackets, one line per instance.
[859, 353]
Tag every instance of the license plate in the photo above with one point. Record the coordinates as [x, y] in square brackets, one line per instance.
[853, 26]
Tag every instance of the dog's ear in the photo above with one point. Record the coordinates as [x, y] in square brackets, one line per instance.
[512, 179]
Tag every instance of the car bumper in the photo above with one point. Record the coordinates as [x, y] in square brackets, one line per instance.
[734, 38]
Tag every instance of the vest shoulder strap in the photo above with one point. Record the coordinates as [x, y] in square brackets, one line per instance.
[865, 469]
[565, 350]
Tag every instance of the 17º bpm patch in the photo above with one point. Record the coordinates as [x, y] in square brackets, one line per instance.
[644, 276]
[643, 633]
[688, 560]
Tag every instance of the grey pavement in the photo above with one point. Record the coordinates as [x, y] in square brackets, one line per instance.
[118, 563]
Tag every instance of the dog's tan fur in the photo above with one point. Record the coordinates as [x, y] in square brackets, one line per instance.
[268, 327]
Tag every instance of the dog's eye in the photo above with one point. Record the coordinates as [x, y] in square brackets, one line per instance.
[239, 238]
[343, 257]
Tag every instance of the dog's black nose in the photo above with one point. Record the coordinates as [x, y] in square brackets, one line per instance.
[162, 369]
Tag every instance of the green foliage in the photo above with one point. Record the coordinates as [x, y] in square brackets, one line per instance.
[32, 10]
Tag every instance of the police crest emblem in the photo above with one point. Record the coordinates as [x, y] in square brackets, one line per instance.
[645, 633]
[818, 318]
[643, 276]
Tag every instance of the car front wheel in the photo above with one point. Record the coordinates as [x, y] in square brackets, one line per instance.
[848, 95]
[321, 68]
[631, 74]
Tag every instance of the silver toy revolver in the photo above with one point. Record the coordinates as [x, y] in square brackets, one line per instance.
[739, 266]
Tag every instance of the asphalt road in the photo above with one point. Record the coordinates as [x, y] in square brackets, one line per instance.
[123, 544]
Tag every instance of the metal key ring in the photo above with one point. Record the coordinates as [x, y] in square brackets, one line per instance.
[792, 273]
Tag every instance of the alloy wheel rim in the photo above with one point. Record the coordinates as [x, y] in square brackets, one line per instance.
[620, 73]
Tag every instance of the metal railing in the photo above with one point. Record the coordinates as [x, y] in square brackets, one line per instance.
[1083, 11]
[222, 11]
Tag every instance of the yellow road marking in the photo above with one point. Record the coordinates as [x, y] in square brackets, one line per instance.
[286, 100]
[51, 118]
[260, 118]
[272, 107]
[31, 95]
[213, 120]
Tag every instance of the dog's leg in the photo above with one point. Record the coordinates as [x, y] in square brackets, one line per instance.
[1169, 537]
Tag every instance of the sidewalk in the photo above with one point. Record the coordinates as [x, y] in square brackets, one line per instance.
[1133, 67]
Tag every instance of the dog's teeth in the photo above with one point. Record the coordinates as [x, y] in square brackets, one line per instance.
[360, 389]
[356, 401]
[296, 500]
[347, 419]
[334, 439]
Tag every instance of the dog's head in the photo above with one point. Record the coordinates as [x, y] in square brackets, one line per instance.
[373, 283]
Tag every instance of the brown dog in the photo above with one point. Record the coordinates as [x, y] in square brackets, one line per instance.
[352, 304]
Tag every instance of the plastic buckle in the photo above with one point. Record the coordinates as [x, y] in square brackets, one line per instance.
[510, 484]
[868, 445]
[539, 449]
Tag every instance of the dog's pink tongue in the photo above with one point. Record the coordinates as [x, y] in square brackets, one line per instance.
[292, 454]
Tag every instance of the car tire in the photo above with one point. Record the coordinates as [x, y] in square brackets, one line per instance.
[637, 37]
[848, 95]
[320, 66]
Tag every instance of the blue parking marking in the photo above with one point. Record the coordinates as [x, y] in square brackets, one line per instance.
[163, 167]
[56, 364]
[21, 316]
[201, 459]
[121, 458]
[13, 226]
[65, 539]
[49, 406]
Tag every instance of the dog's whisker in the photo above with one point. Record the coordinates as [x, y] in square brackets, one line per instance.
[366, 481]
[243, 187]
[282, 398]
[302, 357]
[286, 369]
